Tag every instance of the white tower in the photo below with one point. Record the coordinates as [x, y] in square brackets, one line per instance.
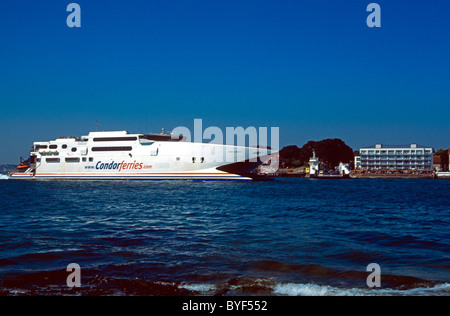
[313, 165]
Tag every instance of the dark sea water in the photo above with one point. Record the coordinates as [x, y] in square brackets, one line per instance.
[284, 237]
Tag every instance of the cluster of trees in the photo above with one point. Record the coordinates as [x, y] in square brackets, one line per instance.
[443, 153]
[330, 152]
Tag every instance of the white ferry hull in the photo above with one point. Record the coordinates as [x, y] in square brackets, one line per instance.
[115, 176]
[123, 156]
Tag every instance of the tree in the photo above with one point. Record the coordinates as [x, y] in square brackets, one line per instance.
[443, 153]
[330, 152]
[289, 155]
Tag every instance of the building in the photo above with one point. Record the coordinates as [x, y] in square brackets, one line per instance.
[447, 167]
[437, 163]
[445, 162]
[357, 165]
[397, 157]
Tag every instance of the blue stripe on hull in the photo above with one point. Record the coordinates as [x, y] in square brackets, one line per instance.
[154, 178]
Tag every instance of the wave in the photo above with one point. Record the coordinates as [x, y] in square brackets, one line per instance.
[271, 288]
[53, 283]
[319, 274]
[4, 177]
[292, 289]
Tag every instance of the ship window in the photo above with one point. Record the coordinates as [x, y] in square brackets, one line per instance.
[74, 149]
[53, 146]
[72, 159]
[64, 146]
[114, 139]
[178, 158]
[91, 159]
[38, 159]
[84, 159]
[125, 148]
[40, 147]
[52, 159]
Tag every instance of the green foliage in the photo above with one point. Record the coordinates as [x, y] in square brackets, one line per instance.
[330, 151]
[443, 153]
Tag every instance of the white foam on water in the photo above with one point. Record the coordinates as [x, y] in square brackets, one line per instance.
[295, 289]
[203, 288]
[310, 289]
[4, 177]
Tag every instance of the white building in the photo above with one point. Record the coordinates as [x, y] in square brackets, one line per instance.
[357, 165]
[409, 157]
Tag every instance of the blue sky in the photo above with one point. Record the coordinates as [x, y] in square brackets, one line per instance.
[312, 68]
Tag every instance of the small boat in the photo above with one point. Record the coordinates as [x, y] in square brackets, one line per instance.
[314, 172]
[443, 174]
[23, 164]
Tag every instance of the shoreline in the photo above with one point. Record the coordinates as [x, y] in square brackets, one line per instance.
[368, 175]
[392, 176]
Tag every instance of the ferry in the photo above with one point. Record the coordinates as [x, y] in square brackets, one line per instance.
[118, 155]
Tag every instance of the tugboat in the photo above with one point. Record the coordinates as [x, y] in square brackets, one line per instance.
[314, 172]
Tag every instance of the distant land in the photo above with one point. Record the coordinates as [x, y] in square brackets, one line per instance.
[331, 153]
[7, 167]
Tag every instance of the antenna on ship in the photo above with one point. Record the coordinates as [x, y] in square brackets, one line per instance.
[163, 131]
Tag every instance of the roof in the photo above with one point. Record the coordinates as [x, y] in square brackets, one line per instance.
[398, 146]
